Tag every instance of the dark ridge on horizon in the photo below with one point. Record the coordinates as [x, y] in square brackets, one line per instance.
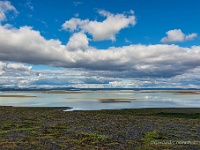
[89, 89]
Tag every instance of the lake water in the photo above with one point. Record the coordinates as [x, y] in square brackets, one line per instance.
[88, 100]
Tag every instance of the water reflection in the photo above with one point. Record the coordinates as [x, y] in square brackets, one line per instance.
[89, 100]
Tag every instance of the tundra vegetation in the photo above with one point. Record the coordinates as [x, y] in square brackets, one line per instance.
[53, 128]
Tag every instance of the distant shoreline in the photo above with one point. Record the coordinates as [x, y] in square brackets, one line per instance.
[17, 96]
[179, 91]
[167, 109]
[96, 89]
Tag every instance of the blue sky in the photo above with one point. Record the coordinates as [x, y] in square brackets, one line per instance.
[99, 43]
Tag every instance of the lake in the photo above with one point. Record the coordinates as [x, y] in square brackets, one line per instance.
[90, 100]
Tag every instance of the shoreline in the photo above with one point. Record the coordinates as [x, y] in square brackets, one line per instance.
[183, 109]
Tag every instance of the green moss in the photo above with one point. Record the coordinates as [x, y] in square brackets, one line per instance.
[150, 136]
[96, 136]
[114, 143]
[3, 132]
[44, 128]
[91, 136]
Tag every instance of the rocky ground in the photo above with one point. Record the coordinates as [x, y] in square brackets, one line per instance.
[140, 129]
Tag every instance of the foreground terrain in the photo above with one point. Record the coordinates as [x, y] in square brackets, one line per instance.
[53, 128]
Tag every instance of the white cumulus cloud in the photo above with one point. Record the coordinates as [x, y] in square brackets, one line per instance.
[177, 35]
[191, 36]
[78, 41]
[5, 7]
[105, 30]
[15, 69]
[26, 45]
[19, 66]
[100, 66]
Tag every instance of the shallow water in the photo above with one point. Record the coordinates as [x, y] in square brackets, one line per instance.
[88, 100]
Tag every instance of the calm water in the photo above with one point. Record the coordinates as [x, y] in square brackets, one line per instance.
[89, 100]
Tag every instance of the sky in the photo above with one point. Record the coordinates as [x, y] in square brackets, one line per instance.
[100, 44]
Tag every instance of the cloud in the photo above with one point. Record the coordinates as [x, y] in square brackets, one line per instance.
[29, 5]
[191, 36]
[20, 75]
[15, 69]
[77, 3]
[78, 41]
[5, 7]
[177, 35]
[127, 41]
[154, 64]
[26, 45]
[105, 30]
[76, 14]
[19, 67]
[2, 65]
[115, 83]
